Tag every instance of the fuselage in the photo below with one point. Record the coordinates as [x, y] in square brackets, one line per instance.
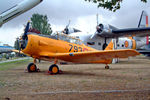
[37, 45]
[98, 42]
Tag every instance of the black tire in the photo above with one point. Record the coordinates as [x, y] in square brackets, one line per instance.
[54, 69]
[106, 67]
[32, 67]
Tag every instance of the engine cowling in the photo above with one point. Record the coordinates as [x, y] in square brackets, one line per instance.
[103, 29]
[70, 30]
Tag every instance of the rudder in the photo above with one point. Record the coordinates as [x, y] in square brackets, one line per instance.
[143, 22]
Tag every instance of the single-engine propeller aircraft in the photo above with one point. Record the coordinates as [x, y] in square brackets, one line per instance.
[65, 48]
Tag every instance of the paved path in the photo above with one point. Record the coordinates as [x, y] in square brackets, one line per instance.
[15, 60]
[74, 91]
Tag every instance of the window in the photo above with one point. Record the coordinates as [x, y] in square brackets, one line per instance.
[91, 43]
[99, 43]
[67, 38]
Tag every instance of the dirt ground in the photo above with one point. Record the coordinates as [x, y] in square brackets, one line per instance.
[127, 80]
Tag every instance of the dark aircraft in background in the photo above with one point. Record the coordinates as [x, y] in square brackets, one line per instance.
[6, 49]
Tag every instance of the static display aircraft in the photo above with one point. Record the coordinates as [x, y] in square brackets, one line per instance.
[122, 38]
[17, 10]
[144, 23]
[65, 48]
[6, 49]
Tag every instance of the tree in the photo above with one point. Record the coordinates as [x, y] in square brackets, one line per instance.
[16, 44]
[111, 5]
[40, 23]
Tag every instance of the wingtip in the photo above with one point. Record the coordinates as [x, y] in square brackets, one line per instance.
[137, 53]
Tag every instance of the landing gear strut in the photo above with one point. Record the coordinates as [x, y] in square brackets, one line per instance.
[105, 44]
[53, 69]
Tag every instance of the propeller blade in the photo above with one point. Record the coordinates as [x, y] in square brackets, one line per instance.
[19, 46]
[26, 30]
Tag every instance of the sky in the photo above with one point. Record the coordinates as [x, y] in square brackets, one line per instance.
[82, 15]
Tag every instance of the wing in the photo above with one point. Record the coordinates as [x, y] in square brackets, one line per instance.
[131, 32]
[17, 51]
[111, 33]
[91, 56]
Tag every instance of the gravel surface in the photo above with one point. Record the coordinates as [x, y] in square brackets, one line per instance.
[127, 80]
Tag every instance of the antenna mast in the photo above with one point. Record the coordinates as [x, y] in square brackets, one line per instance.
[97, 18]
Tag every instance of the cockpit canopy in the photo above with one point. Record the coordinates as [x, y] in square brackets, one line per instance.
[64, 37]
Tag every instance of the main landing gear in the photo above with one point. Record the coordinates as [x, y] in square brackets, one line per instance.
[32, 67]
[53, 69]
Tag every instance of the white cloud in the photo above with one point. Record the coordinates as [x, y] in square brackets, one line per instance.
[9, 35]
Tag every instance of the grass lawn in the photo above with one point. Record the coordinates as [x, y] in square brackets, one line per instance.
[13, 64]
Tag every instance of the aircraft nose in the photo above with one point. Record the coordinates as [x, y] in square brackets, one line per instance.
[23, 44]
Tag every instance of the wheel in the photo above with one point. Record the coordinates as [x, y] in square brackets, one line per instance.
[32, 67]
[54, 69]
[106, 67]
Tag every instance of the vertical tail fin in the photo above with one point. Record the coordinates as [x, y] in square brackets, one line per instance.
[110, 46]
[143, 20]
[144, 23]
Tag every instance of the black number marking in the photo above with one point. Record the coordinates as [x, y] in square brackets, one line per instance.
[75, 49]
[71, 47]
[80, 49]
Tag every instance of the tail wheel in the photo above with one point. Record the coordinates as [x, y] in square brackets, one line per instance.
[32, 67]
[106, 67]
[54, 69]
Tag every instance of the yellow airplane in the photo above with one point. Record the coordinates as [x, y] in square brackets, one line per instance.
[65, 48]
